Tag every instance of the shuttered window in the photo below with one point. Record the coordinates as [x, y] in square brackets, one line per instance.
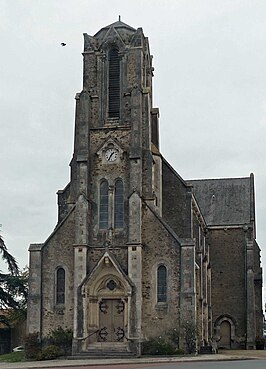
[103, 218]
[60, 286]
[114, 84]
[161, 284]
[119, 204]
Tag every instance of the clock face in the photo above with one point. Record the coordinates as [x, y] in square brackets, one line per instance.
[111, 155]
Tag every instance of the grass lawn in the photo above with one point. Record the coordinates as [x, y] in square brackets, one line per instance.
[13, 357]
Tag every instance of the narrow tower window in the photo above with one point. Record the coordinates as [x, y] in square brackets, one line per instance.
[60, 286]
[119, 204]
[114, 84]
[103, 218]
[161, 284]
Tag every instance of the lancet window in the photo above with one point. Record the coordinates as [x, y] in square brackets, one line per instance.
[111, 205]
[114, 84]
[161, 284]
[60, 285]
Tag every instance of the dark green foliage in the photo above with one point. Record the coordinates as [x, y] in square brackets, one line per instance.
[62, 338]
[8, 258]
[4, 320]
[179, 352]
[157, 346]
[48, 353]
[164, 345]
[173, 336]
[32, 346]
[13, 287]
[190, 333]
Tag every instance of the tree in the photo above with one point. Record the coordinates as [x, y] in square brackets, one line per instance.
[13, 285]
[8, 258]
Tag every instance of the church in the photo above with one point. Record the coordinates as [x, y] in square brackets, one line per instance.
[138, 250]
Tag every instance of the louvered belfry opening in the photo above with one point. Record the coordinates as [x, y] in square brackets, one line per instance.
[114, 84]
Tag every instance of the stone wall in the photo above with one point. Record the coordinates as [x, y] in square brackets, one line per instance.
[58, 252]
[176, 204]
[159, 247]
[228, 276]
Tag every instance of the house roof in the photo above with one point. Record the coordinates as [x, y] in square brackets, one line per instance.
[225, 201]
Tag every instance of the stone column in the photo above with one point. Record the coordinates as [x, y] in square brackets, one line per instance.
[80, 266]
[188, 291]
[135, 268]
[250, 296]
[34, 309]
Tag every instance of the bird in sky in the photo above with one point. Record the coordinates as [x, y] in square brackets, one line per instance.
[63, 44]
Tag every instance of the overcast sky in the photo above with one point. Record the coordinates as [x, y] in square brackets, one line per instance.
[209, 83]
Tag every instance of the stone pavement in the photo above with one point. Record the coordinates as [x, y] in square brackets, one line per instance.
[224, 355]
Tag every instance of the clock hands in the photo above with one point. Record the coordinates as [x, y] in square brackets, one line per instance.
[112, 153]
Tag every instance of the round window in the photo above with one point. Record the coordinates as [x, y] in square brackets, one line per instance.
[111, 285]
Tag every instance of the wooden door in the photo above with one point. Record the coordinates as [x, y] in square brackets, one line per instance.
[111, 320]
[225, 331]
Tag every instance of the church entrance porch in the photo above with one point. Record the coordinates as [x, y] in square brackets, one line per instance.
[106, 306]
[111, 320]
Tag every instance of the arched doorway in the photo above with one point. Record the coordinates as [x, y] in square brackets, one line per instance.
[225, 333]
[106, 304]
[225, 329]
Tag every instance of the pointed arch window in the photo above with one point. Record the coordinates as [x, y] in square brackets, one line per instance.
[103, 218]
[119, 204]
[161, 284]
[60, 285]
[114, 84]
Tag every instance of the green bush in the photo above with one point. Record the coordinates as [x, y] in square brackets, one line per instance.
[173, 336]
[158, 346]
[179, 352]
[166, 344]
[62, 338]
[48, 353]
[32, 346]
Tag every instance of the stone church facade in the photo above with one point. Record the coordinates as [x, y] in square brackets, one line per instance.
[137, 250]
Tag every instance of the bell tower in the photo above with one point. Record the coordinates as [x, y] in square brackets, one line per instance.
[113, 169]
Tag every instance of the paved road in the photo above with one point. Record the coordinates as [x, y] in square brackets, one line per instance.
[242, 364]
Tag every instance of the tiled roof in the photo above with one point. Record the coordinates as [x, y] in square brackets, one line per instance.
[226, 201]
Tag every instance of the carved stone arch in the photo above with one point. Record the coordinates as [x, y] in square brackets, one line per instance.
[109, 285]
[109, 113]
[106, 287]
[225, 331]
[112, 39]
[107, 267]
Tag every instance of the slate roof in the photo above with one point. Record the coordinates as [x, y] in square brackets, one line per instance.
[227, 201]
[118, 25]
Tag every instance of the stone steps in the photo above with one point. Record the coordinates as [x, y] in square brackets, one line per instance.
[104, 350]
[101, 355]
